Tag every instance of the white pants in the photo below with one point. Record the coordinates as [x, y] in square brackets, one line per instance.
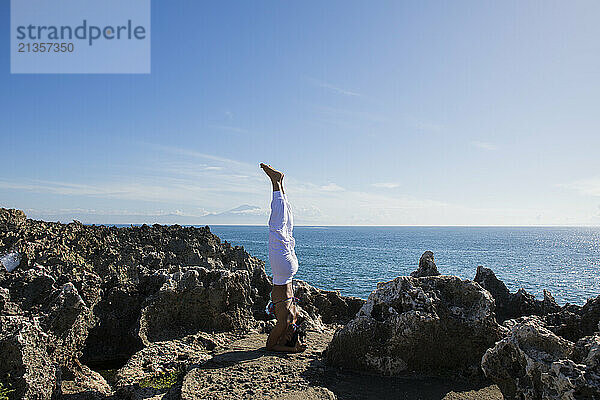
[282, 257]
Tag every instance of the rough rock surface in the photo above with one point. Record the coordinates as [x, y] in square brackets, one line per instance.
[513, 305]
[4, 298]
[159, 358]
[242, 369]
[26, 366]
[113, 339]
[126, 298]
[11, 220]
[58, 309]
[565, 323]
[590, 316]
[137, 299]
[534, 363]
[573, 322]
[431, 325]
[68, 321]
[99, 294]
[320, 307]
[86, 383]
[426, 267]
[198, 299]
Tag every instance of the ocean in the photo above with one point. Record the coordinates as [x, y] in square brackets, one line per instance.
[563, 260]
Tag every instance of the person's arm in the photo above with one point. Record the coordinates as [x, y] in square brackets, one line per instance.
[274, 335]
[273, 339]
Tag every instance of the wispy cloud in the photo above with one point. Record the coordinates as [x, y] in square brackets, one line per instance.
[385, 185]
[163, 189]
[484, 145]
[190, 178]
[196, 154]
[185, 189]
[332, 187]
[588, 187]
[249, 210]
[183, 180]
[333, 88]
[308, 213]
[113, 212]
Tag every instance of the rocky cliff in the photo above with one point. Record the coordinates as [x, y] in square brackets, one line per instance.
[95, 296]
[171, 312]
[428, 324]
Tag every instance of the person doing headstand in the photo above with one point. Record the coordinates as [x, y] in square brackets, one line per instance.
[284, 265]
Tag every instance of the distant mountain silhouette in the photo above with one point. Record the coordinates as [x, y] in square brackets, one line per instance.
[243, 214]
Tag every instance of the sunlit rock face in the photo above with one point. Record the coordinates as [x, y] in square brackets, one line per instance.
[534, 363]
[72, 293]
[439, 325]
[26, 365]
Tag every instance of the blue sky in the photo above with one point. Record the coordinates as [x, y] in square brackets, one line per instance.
[385, 113]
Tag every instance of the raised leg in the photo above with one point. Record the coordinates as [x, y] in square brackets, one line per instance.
[275, 176]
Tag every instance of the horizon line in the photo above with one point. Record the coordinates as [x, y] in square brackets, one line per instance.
[366, 226]
[331, 225]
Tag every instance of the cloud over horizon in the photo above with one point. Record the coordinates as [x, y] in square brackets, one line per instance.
[484, 145]
[386, 185]
[586, 187]
[189, 187]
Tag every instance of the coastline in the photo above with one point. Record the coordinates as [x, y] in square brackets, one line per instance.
[173, 311]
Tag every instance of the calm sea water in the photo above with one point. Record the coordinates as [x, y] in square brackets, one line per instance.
[565, 261]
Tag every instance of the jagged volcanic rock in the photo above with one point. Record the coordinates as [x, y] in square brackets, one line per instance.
[11, 220]
[534, 363]
[197, 299]
[565, 324]
[426, 267]
[93, 289]
[25, 364]
[68, 321]
[573, 322]
[513, 305]
[159, 358]
[590, 316]
[430, 325]
[4, 298]
[88, 384]
[325, 306]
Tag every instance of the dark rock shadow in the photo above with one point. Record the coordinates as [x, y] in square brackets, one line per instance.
[137, 392]
[230, 358]
[352, 385]
[86, 395]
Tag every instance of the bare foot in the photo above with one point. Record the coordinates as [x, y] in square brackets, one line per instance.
[275, 175]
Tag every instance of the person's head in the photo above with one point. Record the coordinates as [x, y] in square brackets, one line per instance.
[291, 335]
[289, 331]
